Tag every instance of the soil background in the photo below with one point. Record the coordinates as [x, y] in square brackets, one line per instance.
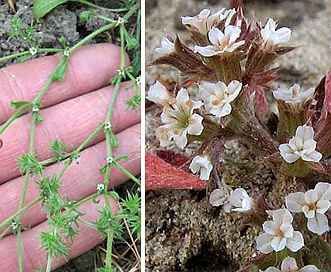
[183, 231]
[64, 21]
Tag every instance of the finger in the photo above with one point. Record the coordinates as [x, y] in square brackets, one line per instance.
[78, 180]
[90, 68]
[33, 255]
[71, 122]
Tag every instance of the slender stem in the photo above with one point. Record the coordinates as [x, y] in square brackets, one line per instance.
[126, 172]
[89, 138]
[19, 230]
[49, 263]
[15, 215]
[110, 238]
[14, 116]
[99, 7]
[92, 35]
[15, 56]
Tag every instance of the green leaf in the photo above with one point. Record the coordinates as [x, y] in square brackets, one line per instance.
[136, 63]
[42, 7]
[122, 158]
[18, 104]
[60, 70]
[23, 58]
[131, 41]
[38, 117]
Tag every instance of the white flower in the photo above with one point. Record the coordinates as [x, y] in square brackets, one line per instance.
[241, 200]
[180, 121]
[314, 204]
[218, 96]
[33, 51]
[272, 37]
[293, 95]
[279, 234]
[167, 47]
[289, 264]
[204, 21]
[203, 165]
[221, 42]
[100, 186]
[159, 95]
[220, 197]
[302, 145]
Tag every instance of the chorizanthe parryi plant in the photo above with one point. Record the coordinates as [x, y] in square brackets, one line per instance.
[221, 97]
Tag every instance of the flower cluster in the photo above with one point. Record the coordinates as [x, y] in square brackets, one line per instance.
[222, 96]
[289, 264]
[279, 233]
[314, 204]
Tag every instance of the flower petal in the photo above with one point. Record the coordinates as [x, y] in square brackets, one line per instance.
[264, 243]
[318, 224]
[295, 242]
[295, 201]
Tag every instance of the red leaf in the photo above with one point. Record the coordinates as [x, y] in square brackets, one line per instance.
[162, 175]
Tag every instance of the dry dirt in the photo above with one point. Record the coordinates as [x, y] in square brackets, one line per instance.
[183, 231]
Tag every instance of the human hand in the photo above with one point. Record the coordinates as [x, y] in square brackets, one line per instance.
[71, 110]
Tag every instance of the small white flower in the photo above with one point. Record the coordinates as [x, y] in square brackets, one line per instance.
[33, 51]
[294, 95]
[202, 22]
[100, 186]
[138, 80]
[314, 204]
[203, 165]
[14, 225]
[279, 234]
[167, 47]
[218, 96]
[272, 37]
[110, 159]
[108, 125]
[289, 264]
[35, 109]
[220, 197]
[179, 120]
[121, 72]
[221, 42]
[76, 158]
[159, 94]
[66, 52]
[240, 200]
[302, 145]
[120, 20]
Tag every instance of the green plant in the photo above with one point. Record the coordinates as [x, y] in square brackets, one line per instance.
[63, 216]
[221, 96]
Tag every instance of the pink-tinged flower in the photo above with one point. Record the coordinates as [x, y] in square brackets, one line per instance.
[273, 37]
[279, 234]
[204, 21]
[240, 200]
[289, 264]
[179, 120]
[159, 94]
[221, 42]
[203, 165]
[167, 47]
[314, 204]
[294, 95]
[217, 96]
[302, 145]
